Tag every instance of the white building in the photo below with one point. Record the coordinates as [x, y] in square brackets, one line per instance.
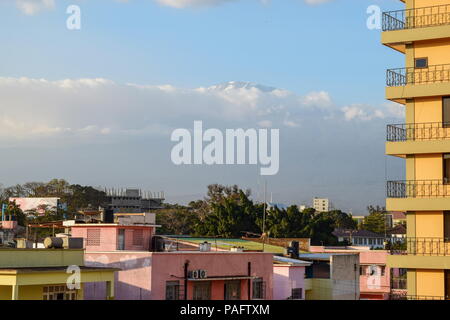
[321, 204]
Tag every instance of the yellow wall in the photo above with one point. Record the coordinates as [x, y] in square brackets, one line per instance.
[428, 110]
[30, 292]
[429, 224]
[429, 167]
[322, 289]
[429, 3]
[435, 50]
[430, 283]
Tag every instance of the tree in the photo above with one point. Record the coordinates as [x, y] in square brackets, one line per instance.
[375, 222]
[178, 220]
[230, 215]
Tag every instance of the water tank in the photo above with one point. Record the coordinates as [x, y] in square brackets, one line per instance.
[54, 243]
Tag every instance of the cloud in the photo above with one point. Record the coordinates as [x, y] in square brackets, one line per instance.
[179, 4]
[32, 7]
[316, 2]
[366, 113]
[101, 109]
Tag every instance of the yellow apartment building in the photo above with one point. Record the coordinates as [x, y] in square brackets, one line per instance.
[421, 31]
[43, 274]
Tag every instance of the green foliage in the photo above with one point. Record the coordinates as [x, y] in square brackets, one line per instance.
[229, 216]
[176, 220]
[376, 220]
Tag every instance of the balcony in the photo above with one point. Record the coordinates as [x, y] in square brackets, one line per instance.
[407, 83]
[418, 24]
[417, 138]
[415, 76]
[416, 18]
[429, 246]
[418, 195]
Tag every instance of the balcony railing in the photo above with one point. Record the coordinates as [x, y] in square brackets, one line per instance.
[429, 246]
[416, 18]
[410, 297]
[418, 131]
[439, 73]
[418, 189]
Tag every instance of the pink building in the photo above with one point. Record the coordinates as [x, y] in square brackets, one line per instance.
[112, 237]
[173, 275]
[289, 278]
[375, 277]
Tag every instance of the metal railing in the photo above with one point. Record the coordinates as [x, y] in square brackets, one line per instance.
[418, 189]
[412, 76]
[418, 131]
[416, 18]
[394, 296]
[425, 246]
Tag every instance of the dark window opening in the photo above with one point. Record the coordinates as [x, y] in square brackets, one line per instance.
[421, 63]
[446, 112]
[446, 169]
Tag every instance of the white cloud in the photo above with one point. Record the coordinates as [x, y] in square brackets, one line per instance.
[179, 4]
[316, 2]
[32, 109]
[367, 113]
[32, 7]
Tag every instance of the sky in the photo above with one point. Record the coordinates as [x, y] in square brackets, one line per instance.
[97, 106]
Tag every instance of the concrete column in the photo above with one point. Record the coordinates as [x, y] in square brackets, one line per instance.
[15, 292]
[110, 290]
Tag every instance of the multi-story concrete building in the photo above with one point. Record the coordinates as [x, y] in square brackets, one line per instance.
[133, 200]
[421, 32]
[321, 204]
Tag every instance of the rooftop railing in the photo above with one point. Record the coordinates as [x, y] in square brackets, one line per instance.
[418, 131]
[416, 18]
[418, 189]
[425, 246]
[413, 76]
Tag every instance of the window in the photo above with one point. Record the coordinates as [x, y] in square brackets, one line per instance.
[258, 289]
[172, 290]
[93, 237]
[232, 290]
[137, 238]
[446, 160]
[447, 226]
[297, 294]
[383, 270]
[446, 112]
[421, 63]
[59, 293]
[202, 291]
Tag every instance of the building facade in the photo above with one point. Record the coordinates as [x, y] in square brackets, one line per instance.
[421, 32]
[321, 204]
[133, 200]
[44, 274]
